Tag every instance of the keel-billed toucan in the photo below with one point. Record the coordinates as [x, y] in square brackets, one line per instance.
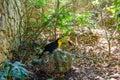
[54, 45]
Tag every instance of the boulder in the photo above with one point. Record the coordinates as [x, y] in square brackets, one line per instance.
[56, 62]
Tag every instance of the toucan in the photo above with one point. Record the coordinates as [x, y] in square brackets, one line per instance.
[54, 45]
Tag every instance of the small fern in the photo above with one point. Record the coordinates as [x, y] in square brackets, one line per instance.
[13, 70]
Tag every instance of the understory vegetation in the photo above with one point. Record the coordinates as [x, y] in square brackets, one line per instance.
[91, 26]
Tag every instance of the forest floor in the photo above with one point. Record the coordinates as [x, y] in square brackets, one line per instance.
[94, 62]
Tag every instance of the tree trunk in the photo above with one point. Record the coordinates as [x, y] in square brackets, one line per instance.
[11, 12]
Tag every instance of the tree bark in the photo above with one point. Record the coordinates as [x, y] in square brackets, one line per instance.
[11, 12]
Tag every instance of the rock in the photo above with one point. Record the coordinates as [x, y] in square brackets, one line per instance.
[56, 62]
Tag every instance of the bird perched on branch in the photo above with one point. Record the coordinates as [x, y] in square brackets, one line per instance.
[54, 45]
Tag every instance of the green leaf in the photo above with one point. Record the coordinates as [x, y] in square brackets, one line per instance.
[18, 70]
[38, 3]
[50, 79]
[15, 69]
[2, 78]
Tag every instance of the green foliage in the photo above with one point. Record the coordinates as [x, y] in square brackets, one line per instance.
[64, 17]
[50, 79]
[38, 49]
[61, 18]
[13, 70]
[116, 5]
[38, 3]
[119, 26]
[64, 21]
[116, 8]
[83, 20]
[44, 17]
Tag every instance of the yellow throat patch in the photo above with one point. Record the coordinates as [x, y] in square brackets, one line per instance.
[62, 41]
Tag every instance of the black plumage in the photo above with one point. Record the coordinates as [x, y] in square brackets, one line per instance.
[50, 47]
